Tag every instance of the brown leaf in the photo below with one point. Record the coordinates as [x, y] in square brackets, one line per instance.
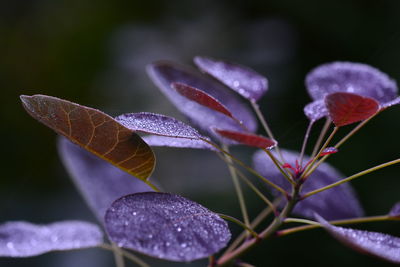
[95, 131]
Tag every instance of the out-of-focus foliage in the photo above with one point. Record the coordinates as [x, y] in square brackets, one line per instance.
[95, 53]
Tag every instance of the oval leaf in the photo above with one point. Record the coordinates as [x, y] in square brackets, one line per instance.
[315, 110]
[157, 140]
[98, 181]
[165, 73]
[336, 203]
[243, 80]
[348, 108]
[380, 245]
[166, 226]
[248, 139]
[23, 239]
[350, 77]
[157, 124]
[95, 131]
[201, 98]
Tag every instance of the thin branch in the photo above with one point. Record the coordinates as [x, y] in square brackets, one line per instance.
[338, 222]
[126, 254]
[305, 140]
[352, 177]
[321, 136]
[248, 168]
[261, 117]
[241, 224]
[238, 189]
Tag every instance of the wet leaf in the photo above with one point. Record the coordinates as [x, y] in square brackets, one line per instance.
[156, 140]
[316, 110]
[166, 226]
[201, 98]
[348, 108]
[23, 239]
[328, 151]
[158, 124]
[380, 245]
[395, 211]
[248, 139]
[336, 203]
[165, 73]
[350, 77]
[95, 131]
[241, 79]
[99, 182]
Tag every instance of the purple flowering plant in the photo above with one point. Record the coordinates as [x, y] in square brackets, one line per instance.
[102, 154]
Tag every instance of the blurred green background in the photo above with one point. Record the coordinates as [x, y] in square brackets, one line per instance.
[95, 53]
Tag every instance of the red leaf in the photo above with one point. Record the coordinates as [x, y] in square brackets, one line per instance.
[328, 151]
[248, 139]
[95, 131]
[201, 98]
[346, 108]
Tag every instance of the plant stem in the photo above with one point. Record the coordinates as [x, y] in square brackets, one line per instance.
[310, 168]
[155, 188]
[268, 232]
[305, 140]
[344, 139]
[260, 217]
[118, 257]
[248, 168]
[261, 117]
[355, 130]
[352, 177]
[278, 165]
[258, 192]
[298, 220]
[126, 254]
[321, 136]
[241, 224]
[238, 189]
[338, 222]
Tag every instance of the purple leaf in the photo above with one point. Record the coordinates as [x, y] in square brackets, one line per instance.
[380, 245]
[166, 226]
[23, 239]
[336, 203]
[98, 181]
[395, 211]
[243, 80]
[316, 110]
[351, 77]
[248, 139]
[164, 74]
[157, 124]
[156, 140]
[395, 101]
[347, 108]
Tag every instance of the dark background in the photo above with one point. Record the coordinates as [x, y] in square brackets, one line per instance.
[95, 53]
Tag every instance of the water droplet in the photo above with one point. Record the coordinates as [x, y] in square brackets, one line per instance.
[236, 83]
[126, 223]
[10, 245]
[134, 213]
[183, 245]
[150, 236]
[179, 229]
